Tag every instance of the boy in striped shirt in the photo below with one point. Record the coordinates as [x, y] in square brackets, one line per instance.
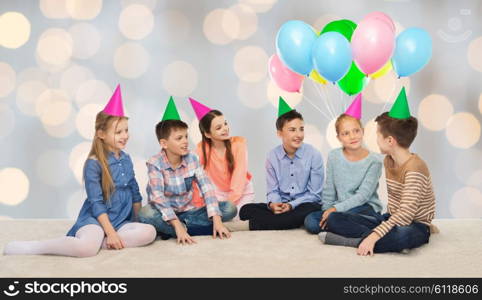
[171, 175]
[411, 200]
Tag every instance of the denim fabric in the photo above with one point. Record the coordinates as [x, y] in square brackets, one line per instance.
[196, 220]
[312, 221]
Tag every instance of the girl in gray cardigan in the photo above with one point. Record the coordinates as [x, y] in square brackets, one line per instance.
[352, 176]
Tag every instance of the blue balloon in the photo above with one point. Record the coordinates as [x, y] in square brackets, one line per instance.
[332, 55]
[293, 46]
[413, 51]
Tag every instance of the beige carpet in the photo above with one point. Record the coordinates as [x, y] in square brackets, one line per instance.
[455, 252]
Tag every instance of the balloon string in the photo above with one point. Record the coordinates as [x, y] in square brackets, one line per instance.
[334, 107]
[343, 101]
[315, 86]
[323, 99]
[391, 94]
[322, 112]
[339, 106]
[328, 102]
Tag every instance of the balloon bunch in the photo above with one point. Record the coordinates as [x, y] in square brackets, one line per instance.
[346, 53]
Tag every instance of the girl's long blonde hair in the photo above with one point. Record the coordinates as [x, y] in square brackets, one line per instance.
[100, 151]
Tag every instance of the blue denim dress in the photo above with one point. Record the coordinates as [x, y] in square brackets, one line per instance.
[119, 206]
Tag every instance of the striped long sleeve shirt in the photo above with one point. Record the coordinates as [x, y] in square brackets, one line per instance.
[410, 194]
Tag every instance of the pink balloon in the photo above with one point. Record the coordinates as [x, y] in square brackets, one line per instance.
[286, 79]
[381, 16]
[373, 43]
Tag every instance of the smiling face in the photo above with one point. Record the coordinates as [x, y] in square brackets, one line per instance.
[292, 134]
[219, 130]
[350, 134]
[177, 143]
[116, 135]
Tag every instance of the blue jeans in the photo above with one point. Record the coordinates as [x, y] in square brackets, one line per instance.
[196, 220]
[396, 240]
[312, 221]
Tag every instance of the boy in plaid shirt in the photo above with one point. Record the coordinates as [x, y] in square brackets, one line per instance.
[171, 175]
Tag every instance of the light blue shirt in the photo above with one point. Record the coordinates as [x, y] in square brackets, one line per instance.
[294, 180]
[350, 184]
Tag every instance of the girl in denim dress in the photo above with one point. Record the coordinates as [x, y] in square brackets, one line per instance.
[106, 219]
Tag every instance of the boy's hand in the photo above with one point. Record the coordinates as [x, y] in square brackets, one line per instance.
[276, 208]
[286, 207]
[220, 229]
[114, 241]
[182, 236]
[366, 246]
[325, 216]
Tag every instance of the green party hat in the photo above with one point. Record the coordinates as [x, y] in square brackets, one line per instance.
[400, 109]
[283, 107]
[171, 111]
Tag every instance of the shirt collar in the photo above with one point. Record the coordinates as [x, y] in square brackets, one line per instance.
[112, 159]
[281, 153]
[165, 164]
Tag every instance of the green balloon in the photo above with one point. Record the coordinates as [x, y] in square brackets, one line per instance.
[354, 81]
[344, 27]
[350, 23]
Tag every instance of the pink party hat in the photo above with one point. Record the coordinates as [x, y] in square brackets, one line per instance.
[114, 107]
[355, 108]
[200, 109]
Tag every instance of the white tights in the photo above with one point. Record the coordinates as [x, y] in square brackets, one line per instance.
[87, 241]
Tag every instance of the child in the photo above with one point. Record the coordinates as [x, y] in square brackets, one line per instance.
[352, 174]
[113, 197]
[224, 158]
[294, 178]
[171, 175]
[411, 201]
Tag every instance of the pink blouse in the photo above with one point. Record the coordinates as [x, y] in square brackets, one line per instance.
[217, 170]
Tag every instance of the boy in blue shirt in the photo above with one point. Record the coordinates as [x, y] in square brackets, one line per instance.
[294, 178]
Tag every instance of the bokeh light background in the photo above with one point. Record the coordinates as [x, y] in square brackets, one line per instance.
[61, 59]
